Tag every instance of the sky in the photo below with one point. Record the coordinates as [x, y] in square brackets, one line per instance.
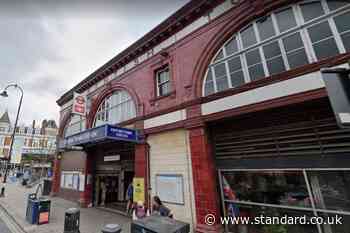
[48, 46]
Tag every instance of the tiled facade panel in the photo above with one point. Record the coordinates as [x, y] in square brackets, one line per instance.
[169, 154]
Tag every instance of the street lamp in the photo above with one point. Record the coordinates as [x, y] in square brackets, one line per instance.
[4, 94]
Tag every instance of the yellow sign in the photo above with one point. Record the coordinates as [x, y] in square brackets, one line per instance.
[139, 189]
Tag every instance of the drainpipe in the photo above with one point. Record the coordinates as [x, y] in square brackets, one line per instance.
[148, 177]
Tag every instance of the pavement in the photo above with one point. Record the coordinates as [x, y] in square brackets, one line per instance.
[3, 227]
[91, 219]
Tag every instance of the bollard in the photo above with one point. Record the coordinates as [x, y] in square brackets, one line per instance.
[112, 228]
[72, 221]
[2, 194]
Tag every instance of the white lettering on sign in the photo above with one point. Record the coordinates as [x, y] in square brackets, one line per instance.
[112, 158]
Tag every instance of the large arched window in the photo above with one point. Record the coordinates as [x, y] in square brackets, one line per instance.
[288, 38]
[116, 108]
[75, 125]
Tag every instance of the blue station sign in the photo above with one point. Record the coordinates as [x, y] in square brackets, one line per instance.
[100, 134]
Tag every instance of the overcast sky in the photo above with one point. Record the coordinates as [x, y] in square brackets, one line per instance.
[47, 48]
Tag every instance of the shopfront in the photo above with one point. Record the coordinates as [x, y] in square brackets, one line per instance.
[113, 171]
[107, 167]
[296, 166]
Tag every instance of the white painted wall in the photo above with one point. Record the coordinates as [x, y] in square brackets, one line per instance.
[169, 154]
[300, 84]
[165, 119]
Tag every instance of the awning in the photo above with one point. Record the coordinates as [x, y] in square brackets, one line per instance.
[103, 133]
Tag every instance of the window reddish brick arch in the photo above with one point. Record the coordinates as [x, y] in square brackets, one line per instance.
[237, 18]
[108, 91]
[64, 123]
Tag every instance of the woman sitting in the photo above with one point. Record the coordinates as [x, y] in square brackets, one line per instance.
[160, 209]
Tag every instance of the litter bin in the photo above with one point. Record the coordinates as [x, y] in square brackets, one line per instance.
[47, 187]
[72, 221]
[158, 224]
[112, 228]
[32, 211]
[38, 209]
[44, 211]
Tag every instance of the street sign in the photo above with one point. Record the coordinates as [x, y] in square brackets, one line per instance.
[100, 134]
[79, 104]
[337, 83]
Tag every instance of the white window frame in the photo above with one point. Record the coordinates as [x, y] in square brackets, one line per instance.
[107, 106]
[72, 174]
[158, 72]
[301, 27]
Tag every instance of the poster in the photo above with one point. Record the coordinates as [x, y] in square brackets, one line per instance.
[169, 188]
[139, 189]
[16, 155]
[82, 182]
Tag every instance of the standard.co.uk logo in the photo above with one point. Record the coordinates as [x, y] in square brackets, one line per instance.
[210, 220]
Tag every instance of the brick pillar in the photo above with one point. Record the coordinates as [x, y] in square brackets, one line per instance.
[86, 195]
[204, 180]
[56, 176]
[141, 153]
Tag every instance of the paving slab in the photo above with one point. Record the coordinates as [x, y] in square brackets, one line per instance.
[91, 219]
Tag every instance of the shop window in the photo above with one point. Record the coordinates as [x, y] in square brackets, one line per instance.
[70, 180]
[281, 188]
[163, 82]
[294, 193]
[116, 108]
[279, 42]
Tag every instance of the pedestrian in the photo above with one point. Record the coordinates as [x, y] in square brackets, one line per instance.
[129, 198]
[139, 211]
[103, 193]
[160, 209]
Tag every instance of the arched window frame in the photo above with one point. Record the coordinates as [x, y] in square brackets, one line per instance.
[120, 103]
[301, 29]
[76, 124]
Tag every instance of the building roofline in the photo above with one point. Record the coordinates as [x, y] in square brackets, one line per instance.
[180, 19]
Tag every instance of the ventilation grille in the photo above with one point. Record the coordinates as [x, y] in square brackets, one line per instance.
[319, 137]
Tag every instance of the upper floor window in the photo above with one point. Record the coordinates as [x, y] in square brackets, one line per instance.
[163, 82]
[75, 125]
[116, 108]
[286, 39]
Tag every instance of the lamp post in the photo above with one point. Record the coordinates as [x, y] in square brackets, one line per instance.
[4, 94]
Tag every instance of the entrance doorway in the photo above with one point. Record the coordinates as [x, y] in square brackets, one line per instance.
[107, 189]
[110, 190]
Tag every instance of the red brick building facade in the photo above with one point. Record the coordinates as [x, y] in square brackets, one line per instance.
[209, 86]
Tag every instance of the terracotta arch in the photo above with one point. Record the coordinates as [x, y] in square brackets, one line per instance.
[109, 89]
[240, 17]
[63, 124]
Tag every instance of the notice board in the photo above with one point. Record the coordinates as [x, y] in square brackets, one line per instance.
[170, 188]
